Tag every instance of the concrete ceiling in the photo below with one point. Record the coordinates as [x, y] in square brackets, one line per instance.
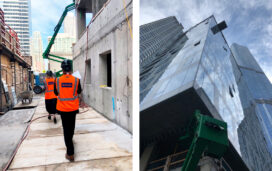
[85, 5]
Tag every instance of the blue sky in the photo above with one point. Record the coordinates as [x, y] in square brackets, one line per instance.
[45, 16]
[249, 21]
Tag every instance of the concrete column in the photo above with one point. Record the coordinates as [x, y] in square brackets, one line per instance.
[80, 22]
[144, 159]
[208, 164]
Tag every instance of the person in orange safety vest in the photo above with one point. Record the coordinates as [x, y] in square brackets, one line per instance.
[67, 88]
[49, 95]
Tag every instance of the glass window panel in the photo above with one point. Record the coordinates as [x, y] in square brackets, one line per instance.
[191, 72]
[209, 88]
[175, 82]
[219, 76]
[200, 76]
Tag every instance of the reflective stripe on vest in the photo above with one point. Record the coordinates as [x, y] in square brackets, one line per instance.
[49, 89]
[67, 99]
[46, 88]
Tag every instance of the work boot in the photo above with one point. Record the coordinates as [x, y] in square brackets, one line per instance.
[49, 117]
[55, 120]
[70, 158]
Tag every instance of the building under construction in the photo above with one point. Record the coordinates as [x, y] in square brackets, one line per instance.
[15, 68]
[103, 56]
[182, 72]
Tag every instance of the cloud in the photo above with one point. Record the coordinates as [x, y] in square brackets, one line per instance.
[249, 21]
[188, 12]
[269, 29]
[249, 4]
[45, 16]
[151, 14]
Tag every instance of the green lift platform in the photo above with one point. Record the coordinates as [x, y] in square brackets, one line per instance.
[204, 136]
[207, 136]
[46, 54]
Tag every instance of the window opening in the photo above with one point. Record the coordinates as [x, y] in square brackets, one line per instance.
[106, 69]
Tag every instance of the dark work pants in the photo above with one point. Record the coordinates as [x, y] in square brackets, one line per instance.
[68, 123]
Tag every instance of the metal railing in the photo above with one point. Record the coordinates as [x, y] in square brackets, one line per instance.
[9, 39]
[167, 162]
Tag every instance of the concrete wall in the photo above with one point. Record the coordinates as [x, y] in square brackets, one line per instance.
[97, 5]
[108, 32]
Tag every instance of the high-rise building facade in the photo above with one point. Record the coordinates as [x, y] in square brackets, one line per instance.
[255, 90]
[180, 72]
[36, 51]
[62, 47]
[18, 17]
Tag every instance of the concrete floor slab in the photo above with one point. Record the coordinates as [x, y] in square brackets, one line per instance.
[112, 164]
[96, 139]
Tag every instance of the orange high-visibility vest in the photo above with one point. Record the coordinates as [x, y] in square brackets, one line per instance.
[67, 86]
[49, 88]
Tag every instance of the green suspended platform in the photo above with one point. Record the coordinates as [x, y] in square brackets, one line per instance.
[207, 136]
[204, 136]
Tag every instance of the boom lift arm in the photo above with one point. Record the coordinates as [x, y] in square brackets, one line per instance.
[46, 54]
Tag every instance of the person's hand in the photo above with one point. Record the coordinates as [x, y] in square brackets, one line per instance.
[80, 99]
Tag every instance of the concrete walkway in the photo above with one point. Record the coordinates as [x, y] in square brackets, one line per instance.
[99, 145]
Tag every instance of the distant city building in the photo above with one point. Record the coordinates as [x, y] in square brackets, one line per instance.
[18, 17]
[36, 51]
[181, 72]
[255, 90]
[62, 47]
[63, 42]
